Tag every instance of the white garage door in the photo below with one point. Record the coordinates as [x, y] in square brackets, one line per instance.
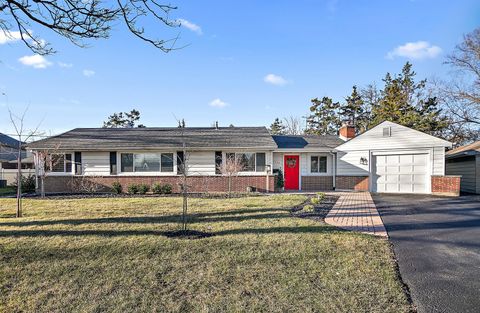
[405, 173]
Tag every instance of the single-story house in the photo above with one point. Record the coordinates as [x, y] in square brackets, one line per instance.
[386, 158]
[465, 161]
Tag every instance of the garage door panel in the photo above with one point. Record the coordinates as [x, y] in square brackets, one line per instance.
[404, 173]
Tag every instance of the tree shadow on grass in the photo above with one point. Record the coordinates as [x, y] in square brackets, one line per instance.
[194, 218]
[116, 233]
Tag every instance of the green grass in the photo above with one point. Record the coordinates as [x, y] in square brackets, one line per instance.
[111, 255]
[7, 191]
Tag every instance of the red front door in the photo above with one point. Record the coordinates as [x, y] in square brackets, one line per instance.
[291, 165]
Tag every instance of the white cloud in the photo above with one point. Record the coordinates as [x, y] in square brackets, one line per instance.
[415, 50]
[191, 26]
[88, 73]
[6, 37]
[275, 80]
[35, 61]
[65, 65]
[218, 103]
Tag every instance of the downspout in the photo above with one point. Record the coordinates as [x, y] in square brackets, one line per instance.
[334, 169]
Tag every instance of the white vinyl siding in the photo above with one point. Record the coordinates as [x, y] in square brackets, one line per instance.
[466, 168]
[438, 161]
[349, 163]
[96, 163]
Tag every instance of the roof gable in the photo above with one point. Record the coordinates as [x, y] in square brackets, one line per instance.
[400, 137]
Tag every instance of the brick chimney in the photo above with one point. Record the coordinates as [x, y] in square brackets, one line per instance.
[347, 131]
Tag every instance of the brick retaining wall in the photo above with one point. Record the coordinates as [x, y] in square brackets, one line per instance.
[358, 183]
[446, 185]
[197, 183]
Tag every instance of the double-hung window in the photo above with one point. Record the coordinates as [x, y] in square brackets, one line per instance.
[318, 164]
[146, 162]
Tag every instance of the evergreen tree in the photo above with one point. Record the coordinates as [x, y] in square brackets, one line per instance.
[277, 127]
[123, 120]
[405, 102]
[324, 118]
[353, 110]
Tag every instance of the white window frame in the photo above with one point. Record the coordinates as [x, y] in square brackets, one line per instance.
[255, 154]
[156, 173]
[64, 172]
[318, 172]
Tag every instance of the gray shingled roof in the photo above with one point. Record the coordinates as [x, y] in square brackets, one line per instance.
[307, 141]
[90, 139]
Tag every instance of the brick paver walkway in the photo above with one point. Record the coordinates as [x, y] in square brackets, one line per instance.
[356, 211]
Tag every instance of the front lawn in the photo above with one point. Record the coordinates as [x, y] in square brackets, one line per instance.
[112, 255]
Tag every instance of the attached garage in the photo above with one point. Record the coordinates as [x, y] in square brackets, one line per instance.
[392, 158]
[403, 173]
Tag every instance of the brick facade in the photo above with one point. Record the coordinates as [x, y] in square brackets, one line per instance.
[358, 183]
[65, 184]
[315, 183]
[446, 185]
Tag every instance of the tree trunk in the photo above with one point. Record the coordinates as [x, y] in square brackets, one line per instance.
[19, 183]
[229, 186]
[42, 188]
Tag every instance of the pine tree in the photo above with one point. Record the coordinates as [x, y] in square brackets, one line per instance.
[123, 120]
[324, 118]
[277, 127]
[353, 110]
[404, 101]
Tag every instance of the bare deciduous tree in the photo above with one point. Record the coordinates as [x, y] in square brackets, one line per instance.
[230, 168]
[461, 95]
[78, 20]
[43, 162]
[23, 135]
[293, 125]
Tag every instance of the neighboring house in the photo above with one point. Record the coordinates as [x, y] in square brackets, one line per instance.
[387, 158]
[465, 161]
[8, 159]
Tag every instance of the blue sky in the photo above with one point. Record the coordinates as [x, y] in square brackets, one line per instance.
[246, 62]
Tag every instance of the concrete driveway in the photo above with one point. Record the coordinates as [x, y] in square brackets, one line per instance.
[437, 243]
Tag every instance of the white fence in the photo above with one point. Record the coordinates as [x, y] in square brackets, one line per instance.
[11, 175]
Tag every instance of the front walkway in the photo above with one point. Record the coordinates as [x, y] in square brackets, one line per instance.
[356, 211]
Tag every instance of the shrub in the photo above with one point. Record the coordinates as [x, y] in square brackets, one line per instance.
[167, 189]
[315, 201]
[280, 182]
[161, 189]
[132, 189]
[308, 208]
[320, 195]
[27, 183]
[117, 187]
[143, 188]
[157, 188]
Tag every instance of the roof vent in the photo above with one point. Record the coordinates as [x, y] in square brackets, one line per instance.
[387, 132]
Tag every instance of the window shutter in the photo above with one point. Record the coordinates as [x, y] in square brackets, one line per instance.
[180, 162]
[218, 162]
[261, 162]
[113, 163]
[78, 163]
[68, 163]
